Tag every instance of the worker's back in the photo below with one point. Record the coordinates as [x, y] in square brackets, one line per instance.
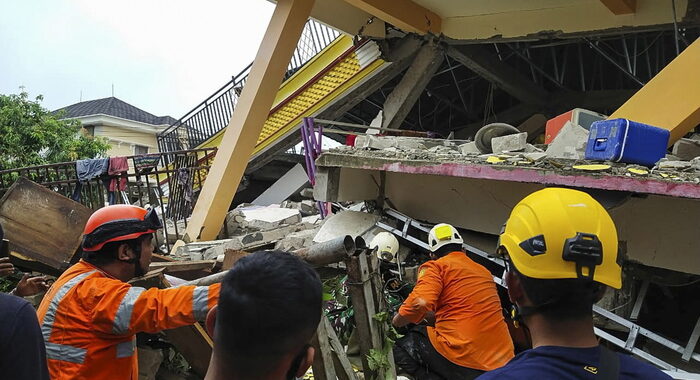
[469, 326]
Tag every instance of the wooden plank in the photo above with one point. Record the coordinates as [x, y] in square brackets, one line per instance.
[323, 366]
[184, 266]
[194, 344]
[156, 258]
[41, 224]
[343, 366]
[231, 257]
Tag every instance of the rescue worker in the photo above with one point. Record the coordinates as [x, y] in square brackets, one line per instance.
[561, 251]
[90, 316]
[459, 298]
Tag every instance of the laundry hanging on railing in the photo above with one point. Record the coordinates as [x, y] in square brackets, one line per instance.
[184, 179]
[86, 170]
[118, 168]
[146, 162]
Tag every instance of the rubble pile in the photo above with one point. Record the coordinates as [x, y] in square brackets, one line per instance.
[564, 154]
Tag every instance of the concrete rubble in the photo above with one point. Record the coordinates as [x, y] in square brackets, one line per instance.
[686, 149]
[509, 143]
[570, 143]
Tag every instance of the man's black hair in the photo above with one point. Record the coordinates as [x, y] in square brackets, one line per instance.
[109, 251]
[448, 248]
[561, 299]
[269, 306]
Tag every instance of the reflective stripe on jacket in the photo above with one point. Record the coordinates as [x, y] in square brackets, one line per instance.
[89, 321]
[470, 330]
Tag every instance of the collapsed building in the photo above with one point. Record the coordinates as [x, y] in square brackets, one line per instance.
[403, 90]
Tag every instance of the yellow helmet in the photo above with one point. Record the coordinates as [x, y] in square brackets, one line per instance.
[559, 233]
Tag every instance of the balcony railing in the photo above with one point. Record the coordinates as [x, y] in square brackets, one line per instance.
[213, 114]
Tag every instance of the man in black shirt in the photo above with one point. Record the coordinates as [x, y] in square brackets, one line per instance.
[22, 351]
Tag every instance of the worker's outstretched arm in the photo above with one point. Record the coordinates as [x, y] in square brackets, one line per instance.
[151, 310]
[423, 298]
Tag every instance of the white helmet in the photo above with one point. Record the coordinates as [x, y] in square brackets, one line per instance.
[386, 244]
[441, 235]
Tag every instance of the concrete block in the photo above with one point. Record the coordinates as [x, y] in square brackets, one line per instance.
[407, 143]
[686, 149]
[570, 143]
[469, 149]
[509, 143]
[267, 218]
[374, 142]
[535, 156]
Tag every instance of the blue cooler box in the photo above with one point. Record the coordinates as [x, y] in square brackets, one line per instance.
[622, 140]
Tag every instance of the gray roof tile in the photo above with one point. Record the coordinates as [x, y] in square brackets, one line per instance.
[114, 107]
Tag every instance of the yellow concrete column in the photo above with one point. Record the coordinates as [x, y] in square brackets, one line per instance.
[671, 99]
[246, 123]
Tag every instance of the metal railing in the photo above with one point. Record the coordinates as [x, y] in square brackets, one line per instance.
[213, 114]
[168, 181]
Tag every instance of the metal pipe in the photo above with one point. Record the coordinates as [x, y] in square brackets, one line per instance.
[675, 27]
[329, 252]
[317, 255]
[614, 62]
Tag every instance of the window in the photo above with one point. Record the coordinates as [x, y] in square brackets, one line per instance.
[140, 150]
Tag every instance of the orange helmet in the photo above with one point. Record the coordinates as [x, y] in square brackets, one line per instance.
[118, 223]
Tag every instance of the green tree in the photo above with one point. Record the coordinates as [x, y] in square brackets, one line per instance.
[32, 135]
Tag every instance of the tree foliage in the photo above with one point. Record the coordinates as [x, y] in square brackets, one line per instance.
[32, 135]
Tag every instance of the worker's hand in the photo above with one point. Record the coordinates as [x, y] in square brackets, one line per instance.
[29, 286]
[429, 319]
[6, 267]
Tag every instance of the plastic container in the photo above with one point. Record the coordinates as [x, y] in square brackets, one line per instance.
[622, 140]
[578, 116]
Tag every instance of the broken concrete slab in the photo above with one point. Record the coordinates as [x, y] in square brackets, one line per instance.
[686, 149]
[289, 184]
[441, 149]
[570, 143]
[469, 148]
[373, 142]
[296, 240]
[509, 143]
[250, 241]
[353, 223]
[267, 218]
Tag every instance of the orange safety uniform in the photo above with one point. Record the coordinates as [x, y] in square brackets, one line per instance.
[89, 321]
[470, 330]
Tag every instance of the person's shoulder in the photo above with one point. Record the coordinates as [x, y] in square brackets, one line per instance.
[521, 366]
[632, 368]
[15, 311]
[12, 304]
